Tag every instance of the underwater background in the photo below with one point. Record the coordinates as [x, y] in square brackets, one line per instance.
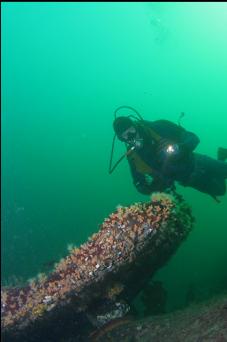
[65, 68]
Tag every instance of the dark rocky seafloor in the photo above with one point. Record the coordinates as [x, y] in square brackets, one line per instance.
[203, 322]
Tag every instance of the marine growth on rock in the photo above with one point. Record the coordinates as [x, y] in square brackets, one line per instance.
[105, 273]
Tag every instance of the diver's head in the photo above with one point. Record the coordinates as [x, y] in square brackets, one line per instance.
[127, 131]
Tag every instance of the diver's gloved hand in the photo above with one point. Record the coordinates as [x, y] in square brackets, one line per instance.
[143, 185]
[155, 185]
[143, 188]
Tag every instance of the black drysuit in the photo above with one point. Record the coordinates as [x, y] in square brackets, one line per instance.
[186, 167]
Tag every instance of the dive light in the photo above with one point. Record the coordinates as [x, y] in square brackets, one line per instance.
[172, 149]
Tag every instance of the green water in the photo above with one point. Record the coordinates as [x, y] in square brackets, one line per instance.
[65, 69]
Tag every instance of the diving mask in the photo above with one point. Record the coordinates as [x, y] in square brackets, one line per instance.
[131, 137]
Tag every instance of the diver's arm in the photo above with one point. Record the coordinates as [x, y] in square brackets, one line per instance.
[188, 141]
[139, 179]
[145, 186]
[174, 134]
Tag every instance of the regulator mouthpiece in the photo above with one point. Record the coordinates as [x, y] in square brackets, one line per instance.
[136, 143]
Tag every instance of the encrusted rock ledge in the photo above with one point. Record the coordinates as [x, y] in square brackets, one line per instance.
[96, 282]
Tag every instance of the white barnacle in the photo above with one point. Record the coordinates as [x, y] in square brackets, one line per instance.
[47, 299]
[97, 266]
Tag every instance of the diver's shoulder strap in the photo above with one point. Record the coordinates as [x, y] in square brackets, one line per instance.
[139, 164]
[152, 133]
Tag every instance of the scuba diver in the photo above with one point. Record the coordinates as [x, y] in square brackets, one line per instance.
[162, 152]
